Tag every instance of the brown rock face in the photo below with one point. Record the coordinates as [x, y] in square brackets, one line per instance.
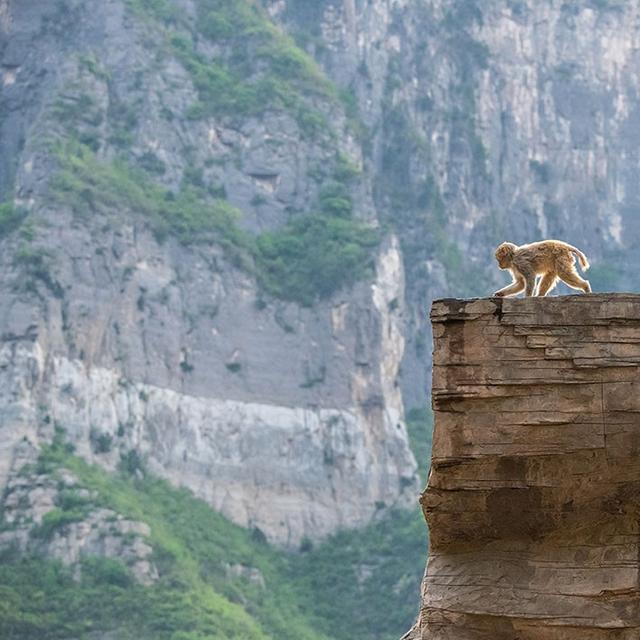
[533, 501]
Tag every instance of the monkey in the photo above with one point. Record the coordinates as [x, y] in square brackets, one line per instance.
[551, 259]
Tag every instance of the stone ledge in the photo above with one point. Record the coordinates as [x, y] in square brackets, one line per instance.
[533, 502]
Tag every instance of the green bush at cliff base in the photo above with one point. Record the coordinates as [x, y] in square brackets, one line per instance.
[195, 598]
[369, 577]
[40, 599]
[365, 585]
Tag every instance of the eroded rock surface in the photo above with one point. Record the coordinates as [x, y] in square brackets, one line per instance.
[48, 512]
[533, 498]
[284, 417]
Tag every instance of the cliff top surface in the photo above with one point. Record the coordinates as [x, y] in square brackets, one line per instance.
[591, 308]
[578, 297]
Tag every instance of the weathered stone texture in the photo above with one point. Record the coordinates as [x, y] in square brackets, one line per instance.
[533, 501]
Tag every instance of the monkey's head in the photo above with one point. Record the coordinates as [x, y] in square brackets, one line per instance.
[504, 254]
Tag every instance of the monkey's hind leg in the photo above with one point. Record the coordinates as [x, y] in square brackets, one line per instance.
[573, 279]
[548, 282]
[530, 279]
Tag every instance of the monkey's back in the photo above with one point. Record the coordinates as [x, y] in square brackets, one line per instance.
[544, 256]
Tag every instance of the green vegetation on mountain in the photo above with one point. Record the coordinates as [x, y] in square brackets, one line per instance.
[41, 599]
[11, 217]
[241, 64]
[310, 257]
[341, 581]
[256, 66]
[302, 596]
[93, 187]
[314, 255]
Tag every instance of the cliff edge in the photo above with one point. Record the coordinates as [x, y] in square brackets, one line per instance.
[533, 500]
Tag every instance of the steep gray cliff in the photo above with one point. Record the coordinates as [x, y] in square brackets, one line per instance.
[138, 342]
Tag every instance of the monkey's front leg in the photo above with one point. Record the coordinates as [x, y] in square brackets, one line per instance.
[515, 287]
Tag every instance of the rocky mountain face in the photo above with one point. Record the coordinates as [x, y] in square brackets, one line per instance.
[532, 498]
[489, 121]
[35, 504]
[218, 243]
[145, 343]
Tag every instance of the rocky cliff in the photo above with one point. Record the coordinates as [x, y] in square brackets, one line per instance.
[532, 501]
[147, 158]
[486, 121]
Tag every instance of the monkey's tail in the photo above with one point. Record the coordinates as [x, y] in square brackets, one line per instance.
[584, 263]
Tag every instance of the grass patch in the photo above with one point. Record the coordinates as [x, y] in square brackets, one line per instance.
[91, 187]
[313, 256]
[55, 520]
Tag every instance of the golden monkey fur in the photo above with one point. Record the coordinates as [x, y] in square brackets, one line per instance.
[551, 259]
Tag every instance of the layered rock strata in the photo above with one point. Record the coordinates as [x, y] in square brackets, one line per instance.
[286, 418]
[533, 500]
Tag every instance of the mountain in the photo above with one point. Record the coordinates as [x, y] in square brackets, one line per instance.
[194, 270]
[222, 224]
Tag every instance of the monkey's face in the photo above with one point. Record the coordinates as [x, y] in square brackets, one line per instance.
[504, 254]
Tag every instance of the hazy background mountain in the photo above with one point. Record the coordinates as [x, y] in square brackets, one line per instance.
[222, 226]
